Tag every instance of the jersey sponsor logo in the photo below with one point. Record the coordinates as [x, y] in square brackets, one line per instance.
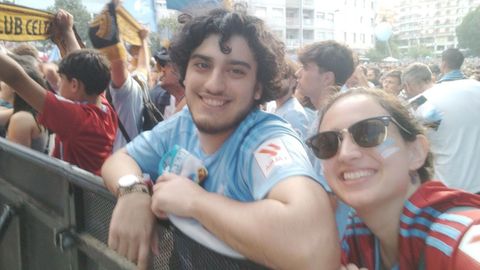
[470, 244]
[271, 154]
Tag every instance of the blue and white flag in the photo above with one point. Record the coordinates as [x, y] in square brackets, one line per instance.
[143, 11]
[190, 5]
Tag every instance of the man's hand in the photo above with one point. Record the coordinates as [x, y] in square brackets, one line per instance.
[62, 33]
[132, 228]
[174, 194]
[64, 20]
[143, 33]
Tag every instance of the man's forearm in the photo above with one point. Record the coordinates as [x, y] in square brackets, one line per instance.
[71, 43]
[116, 166]
[283, 234]
[13, 74]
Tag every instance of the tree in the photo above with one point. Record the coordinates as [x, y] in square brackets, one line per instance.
[418, 51]
[167, 26]
[468, 32]
[80, 15]
[381, 50]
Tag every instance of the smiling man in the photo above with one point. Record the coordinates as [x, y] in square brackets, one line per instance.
[260, 197]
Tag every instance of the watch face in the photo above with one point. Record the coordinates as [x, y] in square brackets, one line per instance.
[127, 180]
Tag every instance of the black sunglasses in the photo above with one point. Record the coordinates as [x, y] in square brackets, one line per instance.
[369, 132]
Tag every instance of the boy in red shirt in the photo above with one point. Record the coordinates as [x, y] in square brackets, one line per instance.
[83, 121]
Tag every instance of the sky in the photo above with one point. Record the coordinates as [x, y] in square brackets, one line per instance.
[92, 5]
[95, 5]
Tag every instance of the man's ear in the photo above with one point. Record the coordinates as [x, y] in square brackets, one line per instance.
[329, 78]
[75, 84]
[258, 91]
[418, 152]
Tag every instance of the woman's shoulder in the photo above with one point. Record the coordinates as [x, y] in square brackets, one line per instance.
[23, 117]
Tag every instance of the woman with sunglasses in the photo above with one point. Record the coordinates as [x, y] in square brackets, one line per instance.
[376, 159]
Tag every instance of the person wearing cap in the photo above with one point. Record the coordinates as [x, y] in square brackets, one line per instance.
[170, 81]
[159, 96]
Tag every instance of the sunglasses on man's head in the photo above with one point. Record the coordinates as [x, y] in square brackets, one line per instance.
[369, 132]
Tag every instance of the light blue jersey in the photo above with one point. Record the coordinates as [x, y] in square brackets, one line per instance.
[260, 153]
[295, 114]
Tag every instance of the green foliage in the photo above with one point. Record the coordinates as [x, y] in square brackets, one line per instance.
[468, 32]
[169, 23]
[381, 50]
[167, 26]
[419, 51]
[80, 14]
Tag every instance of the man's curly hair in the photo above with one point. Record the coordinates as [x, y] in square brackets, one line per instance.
[268, 50]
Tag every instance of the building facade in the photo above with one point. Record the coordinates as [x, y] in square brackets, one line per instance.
[430, 23]
[301, 22]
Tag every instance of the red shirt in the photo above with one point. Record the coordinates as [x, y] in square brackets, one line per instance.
[430, 235]
[84, 132]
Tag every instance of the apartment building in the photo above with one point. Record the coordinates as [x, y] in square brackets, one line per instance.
[430, 23]
[301, 22]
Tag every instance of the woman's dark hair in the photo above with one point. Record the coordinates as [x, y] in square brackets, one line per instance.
[28, 64]
[266, 47]
[398, 111]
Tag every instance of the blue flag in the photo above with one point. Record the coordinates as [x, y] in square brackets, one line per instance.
[143, 11]
[190, 5]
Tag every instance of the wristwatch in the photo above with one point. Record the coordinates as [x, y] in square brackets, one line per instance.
[131, 183]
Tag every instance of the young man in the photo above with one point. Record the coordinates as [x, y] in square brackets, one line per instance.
[326, 66]
[125, 87]
[82, 119]
[260, 196]
[452, 61]
[392, 82]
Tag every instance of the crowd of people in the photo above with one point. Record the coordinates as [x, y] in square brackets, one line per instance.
[323, 163]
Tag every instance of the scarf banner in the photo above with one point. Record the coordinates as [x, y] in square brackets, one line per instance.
[105, 27]
[128, 27]
[19, 23]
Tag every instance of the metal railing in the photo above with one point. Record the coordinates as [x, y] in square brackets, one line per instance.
[56, 216]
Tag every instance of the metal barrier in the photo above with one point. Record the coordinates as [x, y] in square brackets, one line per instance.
[56, 216]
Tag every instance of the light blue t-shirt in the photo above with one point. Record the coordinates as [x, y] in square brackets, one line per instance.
[260, 153]
[295, 114]
[128, 103]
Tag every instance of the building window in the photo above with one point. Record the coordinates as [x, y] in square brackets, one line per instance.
[292, 33]
[320, 15]
[320, 35]
[354, 37]
[307, 17]
[308, 35]
[292, 15]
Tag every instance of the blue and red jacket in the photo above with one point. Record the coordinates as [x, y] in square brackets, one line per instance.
[439, 229]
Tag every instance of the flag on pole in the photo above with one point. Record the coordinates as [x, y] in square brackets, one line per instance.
[191, 5]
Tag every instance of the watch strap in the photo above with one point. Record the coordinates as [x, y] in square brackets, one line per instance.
[137, 187]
